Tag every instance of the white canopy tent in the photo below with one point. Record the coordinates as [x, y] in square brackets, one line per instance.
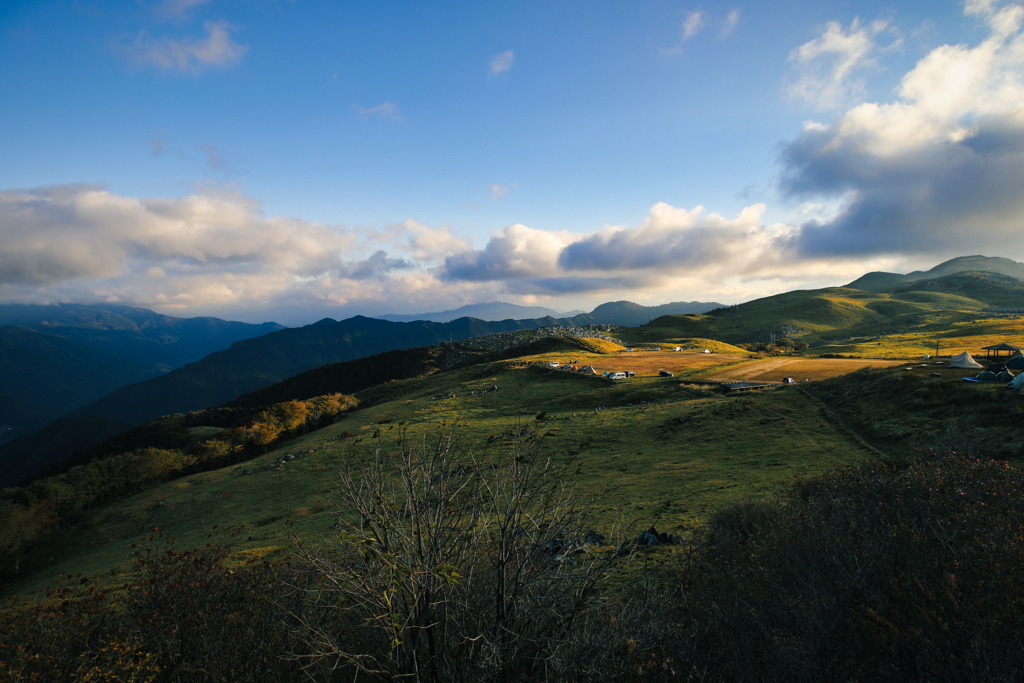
[964, 360]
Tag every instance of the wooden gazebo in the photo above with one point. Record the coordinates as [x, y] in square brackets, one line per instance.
[999, 348]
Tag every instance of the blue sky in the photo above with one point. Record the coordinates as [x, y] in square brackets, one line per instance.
[261, 160]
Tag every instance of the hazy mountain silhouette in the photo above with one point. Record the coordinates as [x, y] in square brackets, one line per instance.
[56, 358]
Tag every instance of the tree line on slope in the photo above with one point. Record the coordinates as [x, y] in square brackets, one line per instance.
[33, 516]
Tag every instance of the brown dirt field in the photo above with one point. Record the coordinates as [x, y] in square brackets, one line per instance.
[774, 369]
[648, 363]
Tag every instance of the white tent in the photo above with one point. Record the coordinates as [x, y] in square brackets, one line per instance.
[1017, 382]
[964, 360]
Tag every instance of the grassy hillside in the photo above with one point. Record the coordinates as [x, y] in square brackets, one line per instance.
[885, 282]
[903, 324]
[666, 453]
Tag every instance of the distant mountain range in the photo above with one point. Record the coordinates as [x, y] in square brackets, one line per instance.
[629, 314]
[54, 359]
[494, 310]
[613, 313]
[122, 365]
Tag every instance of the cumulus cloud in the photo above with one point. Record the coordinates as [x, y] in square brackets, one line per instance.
[830, 67]
[670, 238]
[424, 243]
[189, 56]
[501, 63]
[936, 171]
[378, 266]
[216, 253]
[670, 244]
[514, 253]
[213, 249]
[65, 232]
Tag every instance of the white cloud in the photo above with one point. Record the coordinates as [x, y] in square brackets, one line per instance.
[831, 65]
[213, 253]
[189, 56]
[426, 244]
[730, 22]
[384, 110]
[501, 63]
[669, 245]
[517, 252]
[693, 23]
[934, 171]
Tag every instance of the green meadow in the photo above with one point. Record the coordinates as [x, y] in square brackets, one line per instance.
[658, 452]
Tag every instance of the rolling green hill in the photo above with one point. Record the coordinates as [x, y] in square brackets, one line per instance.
[885, 282]
[817, 316]
[994, 290]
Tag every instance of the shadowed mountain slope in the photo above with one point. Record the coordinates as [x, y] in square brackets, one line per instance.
[30, 454]
[254, 363]
[54, 359]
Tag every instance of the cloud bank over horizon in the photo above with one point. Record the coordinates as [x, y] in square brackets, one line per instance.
[910, 181]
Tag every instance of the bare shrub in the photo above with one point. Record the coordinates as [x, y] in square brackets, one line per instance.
[450, 567]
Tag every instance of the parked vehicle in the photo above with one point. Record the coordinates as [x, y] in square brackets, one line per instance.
[664, 373]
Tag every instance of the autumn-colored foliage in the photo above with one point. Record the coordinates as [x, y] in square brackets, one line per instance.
[31, 514]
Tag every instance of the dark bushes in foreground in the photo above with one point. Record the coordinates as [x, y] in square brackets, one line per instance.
[182, 616]
[867, 573]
